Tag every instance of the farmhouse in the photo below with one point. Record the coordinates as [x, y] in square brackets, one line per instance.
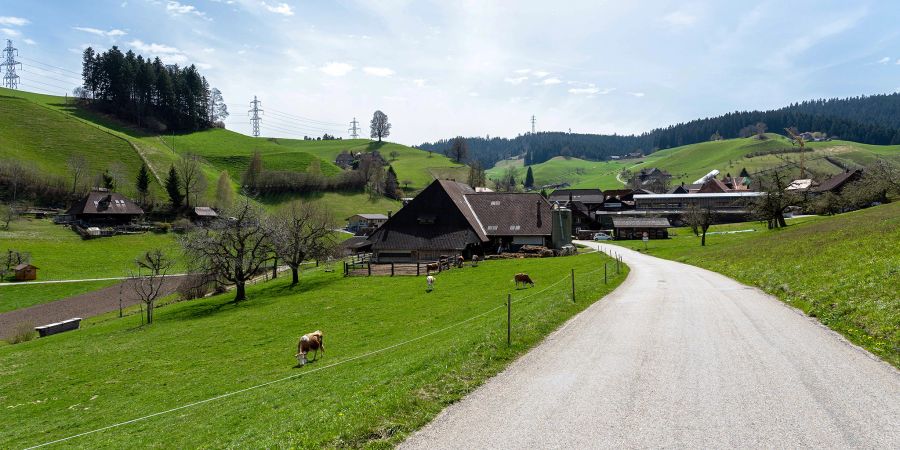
[359, 222]
[104, 208]
[635, 227]
[203, 214]
[449, 218]
[25, 272]
[837, 183]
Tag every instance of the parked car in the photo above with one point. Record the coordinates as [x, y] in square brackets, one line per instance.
[602, 237]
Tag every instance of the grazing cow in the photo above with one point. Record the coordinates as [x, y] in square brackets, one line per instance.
[524, 279]
[310, 342]
[429, 283]
[459, 261]
[432, 267]
[475, 260]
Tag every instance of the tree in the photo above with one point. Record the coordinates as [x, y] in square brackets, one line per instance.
[8, 214]
[529, 179]
[380, 127]
[508, 181]
[391, 185]
[254, 169]
[716, 137]
[148, 278]
[142, 183]
[775, 199]
[477, 177]
[192, 179]
[108, 181]
[224, 192]
[700, 218]
[173, 188]
[458, 150]
[744, 173]
[233, 248]
[761, 130]
[78, 168]
[217, 109]
[394, 155]
[406, 184]
[302, 231]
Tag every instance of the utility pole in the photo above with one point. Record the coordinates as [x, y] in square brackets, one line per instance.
[10, 79]
[354, 129]
[254, 115]
[532, 124]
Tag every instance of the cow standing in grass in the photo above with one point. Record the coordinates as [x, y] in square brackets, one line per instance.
[459, 261]
[429, 283]
[524, 279]
[475, 260]
[310, 342]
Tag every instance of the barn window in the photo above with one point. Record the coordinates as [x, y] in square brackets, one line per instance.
[515, 227]
[492, 227]
[495, 202]
[426, 220]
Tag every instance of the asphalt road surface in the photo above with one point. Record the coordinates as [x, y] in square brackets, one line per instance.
[681, 357]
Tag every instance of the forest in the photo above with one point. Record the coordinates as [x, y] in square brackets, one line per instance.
[149, 93]
[866, 119]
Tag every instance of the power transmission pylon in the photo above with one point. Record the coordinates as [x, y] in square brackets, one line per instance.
[354, 129]
[10, 79]
[254, 115]
[532, 124]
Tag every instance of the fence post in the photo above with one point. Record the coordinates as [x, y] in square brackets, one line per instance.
[392, 269]
[508, 320]
[369, 265]
[417, 268]
[604, 274]
[573, 285]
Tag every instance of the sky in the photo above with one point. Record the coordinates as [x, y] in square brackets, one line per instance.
[478, 68]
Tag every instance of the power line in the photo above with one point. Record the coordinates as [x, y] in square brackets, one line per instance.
[306, 118]
[292, 124]
[10, 79]
[51, 65]
[25, 67]
[254, 115]
[354, 129]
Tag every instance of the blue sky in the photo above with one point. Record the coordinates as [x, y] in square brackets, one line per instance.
[440, 69]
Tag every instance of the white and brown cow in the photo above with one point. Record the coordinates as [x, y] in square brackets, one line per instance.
[310, 342]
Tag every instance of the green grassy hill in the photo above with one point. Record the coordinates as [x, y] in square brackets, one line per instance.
[843, 270]
[690, 162]
[115, 370]
[57, 129]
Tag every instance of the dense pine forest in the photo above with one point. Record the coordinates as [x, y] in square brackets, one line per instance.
[148, 93]
[867, 119]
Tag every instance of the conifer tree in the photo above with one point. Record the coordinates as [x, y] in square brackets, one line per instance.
[529, 179]
[173, 189]
[143, 183]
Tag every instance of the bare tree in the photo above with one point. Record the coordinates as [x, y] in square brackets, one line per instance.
[192, 179]
[78, 168]
[8, 214]
[148, 278]
[394, 155]
[234, 247]
[477, 176]
[301, 231]
[458, 150]
[761, 128]
[775, 199]
[700, 218]
[380, 127]
[224, 191]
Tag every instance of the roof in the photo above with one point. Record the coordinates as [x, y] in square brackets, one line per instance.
[838, 180]
[457, 192]
[512, 214]
[105, 203]
[640, 222]
[24, 266]
[805, 183]
[205, 211]
[713, 185]
[581, 195]
[680, 189]
[371, 216]
[698, 195]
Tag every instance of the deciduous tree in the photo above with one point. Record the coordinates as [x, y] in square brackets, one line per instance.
[458, 150]
[224, 192]
[302, 231]
[148, 278]
[380, 127]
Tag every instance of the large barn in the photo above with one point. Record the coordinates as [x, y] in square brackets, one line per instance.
[449, 219]
[104, 208]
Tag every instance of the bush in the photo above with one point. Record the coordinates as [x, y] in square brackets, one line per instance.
[182, 225]
[162, 227]
[194, 286]
[23, 332]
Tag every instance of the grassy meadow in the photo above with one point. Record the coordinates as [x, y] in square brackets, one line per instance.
[843, 270]
[579, 173]
[116, 370]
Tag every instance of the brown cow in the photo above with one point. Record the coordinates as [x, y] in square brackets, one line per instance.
[475, 259]
[313, 341]
[524, 279]
[459, 261]
[432, 267]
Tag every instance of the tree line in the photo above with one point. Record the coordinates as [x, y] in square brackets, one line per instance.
[149, 93]
[870, 120]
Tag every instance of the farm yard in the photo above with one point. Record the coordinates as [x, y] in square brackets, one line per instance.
[117, 370]
[842, 270]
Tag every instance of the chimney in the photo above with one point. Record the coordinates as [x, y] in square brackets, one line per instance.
[539, 221]
[390, 213]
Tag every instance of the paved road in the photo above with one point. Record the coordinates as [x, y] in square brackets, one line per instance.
[679, 356]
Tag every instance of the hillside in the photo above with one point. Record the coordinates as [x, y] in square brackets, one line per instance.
[842, 269]
[56, 130]
[690, 162]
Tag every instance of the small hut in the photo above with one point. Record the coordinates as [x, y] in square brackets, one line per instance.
[26, 272]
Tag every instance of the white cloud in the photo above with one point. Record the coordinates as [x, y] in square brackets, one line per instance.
[114, 33]
[516, 80]
[898, 61]
[30, 41]
[473, 94]
[13, 21]
[637, 94]
[884, 60]
[204, 66]
[378, 71]
[168, 54]
[419, 82]
[590, 91]
[301, 69]
[174, 7]
[540, 73]
[523, 71]
[279, 8]
[550, 81]
[679, 19]
[336, 69]
[10, 32]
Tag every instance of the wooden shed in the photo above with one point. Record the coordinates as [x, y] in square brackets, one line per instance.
[635, 227]
[26, 272]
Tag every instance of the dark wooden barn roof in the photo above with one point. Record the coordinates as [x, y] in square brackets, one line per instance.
[511, 214]
[579, 195]
[838, 181]
[640, 222]
[105, 203]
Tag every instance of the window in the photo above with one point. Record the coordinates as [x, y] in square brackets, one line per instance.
[492, 227]
[515, 227]
[495, 202]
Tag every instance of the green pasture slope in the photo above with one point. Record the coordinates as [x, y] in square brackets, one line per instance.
[61, 254]
[117, 370]
[579, 173]
[843, 270]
